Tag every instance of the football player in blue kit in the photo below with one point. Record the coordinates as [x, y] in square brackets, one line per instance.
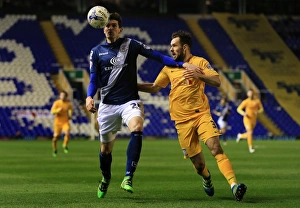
[113, 69]
[222, 110]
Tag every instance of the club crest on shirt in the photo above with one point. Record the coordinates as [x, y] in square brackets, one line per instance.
[117, 60]
[123, 48]
[209, 67]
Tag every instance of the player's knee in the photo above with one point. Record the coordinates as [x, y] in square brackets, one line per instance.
[106, 148]
[214, 146]
[137, 126]
[216, 149]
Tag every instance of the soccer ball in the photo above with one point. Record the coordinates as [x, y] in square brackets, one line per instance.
[98, 16]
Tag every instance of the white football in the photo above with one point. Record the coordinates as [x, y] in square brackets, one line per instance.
[98, 16]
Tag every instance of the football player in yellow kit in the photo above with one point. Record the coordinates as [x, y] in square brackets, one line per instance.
[62, 109]
[249, 109]
[189, 108]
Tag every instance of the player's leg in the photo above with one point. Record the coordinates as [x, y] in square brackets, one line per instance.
[56, 133]
[210, 136]
[222, 125]
[66, 129]
[201, 169]
[133, 116]
[109, 123]
[243, 135]
[105, 159]
[223, 134]
[249, 129]
[191, 148]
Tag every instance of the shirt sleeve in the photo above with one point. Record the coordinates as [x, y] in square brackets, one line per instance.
[93, 61]
[208, 69]
[148, 52]
[162, 79]
[92, 88]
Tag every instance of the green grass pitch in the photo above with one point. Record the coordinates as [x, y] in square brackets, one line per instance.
[31, 177]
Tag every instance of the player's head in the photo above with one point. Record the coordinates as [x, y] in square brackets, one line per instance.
[250, 93]
[63, 95]
[223, 101]
[113, 28]
[181, 45]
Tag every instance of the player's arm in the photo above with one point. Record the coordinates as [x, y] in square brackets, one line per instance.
[54, 109]
[70, 111]
[161, 81]
[216, 112]
[148, 87]
[212, 80]
[261, 107]
[146, 51]
[92, 87]
[240, 109]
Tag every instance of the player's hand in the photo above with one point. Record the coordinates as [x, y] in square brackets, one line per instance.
[89, 104]
[193, 73]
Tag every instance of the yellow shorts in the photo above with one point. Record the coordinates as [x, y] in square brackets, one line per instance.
[58, 128]
[249, 123]
[189, 133]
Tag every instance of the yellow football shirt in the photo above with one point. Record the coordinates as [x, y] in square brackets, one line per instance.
[251, 107]
[62, 116]
[187, 98]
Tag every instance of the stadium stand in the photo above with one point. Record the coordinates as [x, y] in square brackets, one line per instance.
[235, 60]
[288, 27]
[27, 90]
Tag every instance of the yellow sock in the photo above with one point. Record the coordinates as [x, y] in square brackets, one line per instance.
[204, 172]
[249, 140]
[226, 169]
[54, 146]
[66, 140]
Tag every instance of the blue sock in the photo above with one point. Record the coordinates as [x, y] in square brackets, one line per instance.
[105, 165]
[133, 152]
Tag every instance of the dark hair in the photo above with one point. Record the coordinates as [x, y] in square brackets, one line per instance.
[116, 16]
[224, 98]
[184, 37]
[65, 92]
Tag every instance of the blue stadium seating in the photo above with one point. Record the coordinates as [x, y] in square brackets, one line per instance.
[30, 117]
[235, 60]
[27, 91]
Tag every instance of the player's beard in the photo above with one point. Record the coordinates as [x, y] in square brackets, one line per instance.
[180, 56]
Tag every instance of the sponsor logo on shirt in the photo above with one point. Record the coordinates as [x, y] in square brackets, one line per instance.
[102, 54]
[107, 68]
[209, 67]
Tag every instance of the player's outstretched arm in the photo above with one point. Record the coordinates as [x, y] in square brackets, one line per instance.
[148, 87]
